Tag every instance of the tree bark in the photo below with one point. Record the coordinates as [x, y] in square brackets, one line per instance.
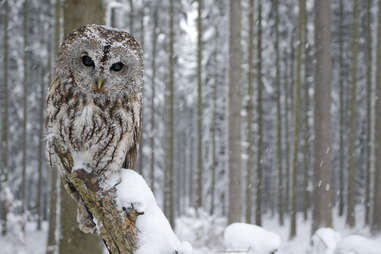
[322, 195]
[234, 125]
[191, 167]
[351, 193]
[113, 17]
[171, 113]
[132, 16]
[78, 13]
[4, 127]
[52, 245]
[250, 112]
[258, 210]
[199, 105]
[297, 113]
[342, 111]
[287, 132]
[153, 96]
[140, 156]
[307, 134]
[214, 128]
[376, 223]
[41, 140]
[368, 110]
[25, 111]
[279, 116]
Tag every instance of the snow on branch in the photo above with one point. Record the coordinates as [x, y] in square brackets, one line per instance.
[124, 210]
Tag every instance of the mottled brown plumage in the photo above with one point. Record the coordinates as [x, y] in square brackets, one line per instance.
[94, 104]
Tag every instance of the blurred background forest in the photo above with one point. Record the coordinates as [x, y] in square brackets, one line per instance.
[265, 112]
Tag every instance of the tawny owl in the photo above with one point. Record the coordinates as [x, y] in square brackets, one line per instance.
[94, 103]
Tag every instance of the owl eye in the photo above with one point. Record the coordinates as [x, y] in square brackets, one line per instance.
[117, 66]
[87, 61]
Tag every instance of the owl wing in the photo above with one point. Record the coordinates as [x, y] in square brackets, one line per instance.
[132, 154]
[130, 161]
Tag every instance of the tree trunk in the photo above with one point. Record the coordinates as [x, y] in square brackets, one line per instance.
[287, 131]
[298, 87]
[368, 110]
[140, 156]
[291, 121]
[72, 238]
[171, 113]
[307, 135]
[279, 116]
[322, 196]
[258, 210]
[76, 13]
[376, 223]
[250, 112]
[41, 139]
[199, 105]
[191, 180]
[342, 111]
[79, 13]
[351, 198]
[52, 246]
[113, 17]
[214, 129]
[153, 96]
[234, 114]
[132, 16]
[25, 111]
[142, 28]
[4, 127]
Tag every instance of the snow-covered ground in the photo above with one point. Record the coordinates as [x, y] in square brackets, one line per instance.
[32, 242]
[206, 234]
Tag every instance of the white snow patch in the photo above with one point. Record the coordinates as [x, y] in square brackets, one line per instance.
[324, 241]
[356, 244]
[155, 235]
[17, 242]
[202, 230]
[242, 237]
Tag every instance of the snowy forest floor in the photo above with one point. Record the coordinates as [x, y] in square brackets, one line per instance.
[204, 232]
[15, 242]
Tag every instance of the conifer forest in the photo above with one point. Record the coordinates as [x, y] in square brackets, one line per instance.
[259, 130]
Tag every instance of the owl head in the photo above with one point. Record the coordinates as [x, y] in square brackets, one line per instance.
[101, 61]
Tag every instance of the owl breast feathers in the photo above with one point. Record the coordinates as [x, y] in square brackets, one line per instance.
[94, 103]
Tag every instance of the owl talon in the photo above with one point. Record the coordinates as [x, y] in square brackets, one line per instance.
[131, 213]
[64, 155]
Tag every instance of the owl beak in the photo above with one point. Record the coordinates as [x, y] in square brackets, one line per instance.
[99, 83]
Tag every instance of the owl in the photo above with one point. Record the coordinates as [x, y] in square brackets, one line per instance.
[94, 104]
